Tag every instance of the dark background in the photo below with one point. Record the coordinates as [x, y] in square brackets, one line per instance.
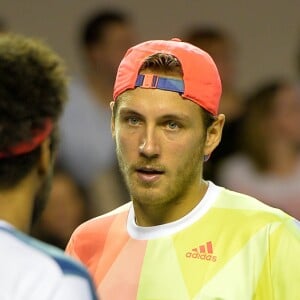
[267, 32]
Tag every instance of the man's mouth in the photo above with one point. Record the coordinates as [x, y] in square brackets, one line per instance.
[149, 174]
[149, 170]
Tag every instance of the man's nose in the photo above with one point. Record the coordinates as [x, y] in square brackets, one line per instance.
[149, 145]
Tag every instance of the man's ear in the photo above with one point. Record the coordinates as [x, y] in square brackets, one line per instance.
[45, 157]
[214, 134]
[112, 120]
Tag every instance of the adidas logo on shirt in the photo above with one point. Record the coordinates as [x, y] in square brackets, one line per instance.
[204, 252]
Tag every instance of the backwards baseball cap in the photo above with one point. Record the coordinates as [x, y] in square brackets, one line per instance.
[201, 81]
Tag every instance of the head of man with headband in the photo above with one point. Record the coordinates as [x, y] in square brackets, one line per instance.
[32, 96]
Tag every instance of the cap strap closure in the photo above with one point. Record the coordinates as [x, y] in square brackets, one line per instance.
[151, 81]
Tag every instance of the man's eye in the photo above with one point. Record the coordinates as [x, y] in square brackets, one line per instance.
[172, 125]
[133, 120]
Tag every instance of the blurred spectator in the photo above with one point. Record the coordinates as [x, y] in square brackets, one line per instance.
[108, 192]
[87, 148]
[220, 45]
[269, 165]
[3, 26]
[297, 59]
[66, 209]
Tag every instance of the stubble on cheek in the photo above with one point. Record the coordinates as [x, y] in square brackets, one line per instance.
[123, 164]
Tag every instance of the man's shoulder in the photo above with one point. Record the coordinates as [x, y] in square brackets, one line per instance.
[103, 222]
[88, 240]
[249, 206]
[45, 255]
[36, 269]
[66, 264]
[248, 215]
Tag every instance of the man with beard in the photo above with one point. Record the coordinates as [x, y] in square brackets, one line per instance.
[32, 96]
[181, 237]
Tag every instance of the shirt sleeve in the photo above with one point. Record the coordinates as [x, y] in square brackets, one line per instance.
[75, 288]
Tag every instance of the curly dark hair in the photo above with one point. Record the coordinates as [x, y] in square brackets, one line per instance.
[32, 89]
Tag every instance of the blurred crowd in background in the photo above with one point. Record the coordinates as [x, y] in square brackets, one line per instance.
[258, 155]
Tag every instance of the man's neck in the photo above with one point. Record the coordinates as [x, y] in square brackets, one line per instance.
[153, 215]
[16, 206]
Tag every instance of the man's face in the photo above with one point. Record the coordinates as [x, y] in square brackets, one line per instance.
[160, 142]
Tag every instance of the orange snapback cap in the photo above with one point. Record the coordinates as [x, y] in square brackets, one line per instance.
[200, 83]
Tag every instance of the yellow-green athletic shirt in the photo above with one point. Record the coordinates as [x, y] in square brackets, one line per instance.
[231, 246]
